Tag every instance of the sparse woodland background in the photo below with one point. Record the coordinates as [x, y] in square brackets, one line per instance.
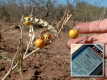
[12, 10]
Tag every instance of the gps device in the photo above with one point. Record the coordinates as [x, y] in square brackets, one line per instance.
[88, 61]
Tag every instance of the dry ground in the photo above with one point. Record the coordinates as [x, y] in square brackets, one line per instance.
[50, 63]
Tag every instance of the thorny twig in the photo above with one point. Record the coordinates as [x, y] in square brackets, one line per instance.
[19, 55]
[63, 21]
[14, 59]
[13, 67]
[31, 36]
[58, 25]
[12, 63]
[31, 53]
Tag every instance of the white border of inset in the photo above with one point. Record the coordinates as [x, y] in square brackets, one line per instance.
[74, 49]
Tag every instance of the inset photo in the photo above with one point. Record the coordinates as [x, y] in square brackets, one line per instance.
[105, 61]
[87, 60]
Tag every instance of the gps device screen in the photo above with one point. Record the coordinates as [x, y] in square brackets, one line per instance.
[86, 61]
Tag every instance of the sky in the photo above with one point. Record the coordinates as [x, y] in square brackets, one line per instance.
[99, 3]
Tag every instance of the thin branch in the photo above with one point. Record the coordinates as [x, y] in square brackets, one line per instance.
[28, 46]
[31, 53]
[64, 22]
[31, 35]
[14, 58]
[11, 68]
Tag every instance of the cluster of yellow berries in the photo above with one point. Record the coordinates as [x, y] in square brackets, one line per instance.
[43, 39]
[41, 42]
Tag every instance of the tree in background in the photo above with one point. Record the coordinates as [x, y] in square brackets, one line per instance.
[87, 12]
[12, 10]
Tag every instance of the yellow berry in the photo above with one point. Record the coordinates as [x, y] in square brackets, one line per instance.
[73, 33]
[39, 43]
[47, 36]
[27, 20]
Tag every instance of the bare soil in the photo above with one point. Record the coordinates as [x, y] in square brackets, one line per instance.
[49, 63]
